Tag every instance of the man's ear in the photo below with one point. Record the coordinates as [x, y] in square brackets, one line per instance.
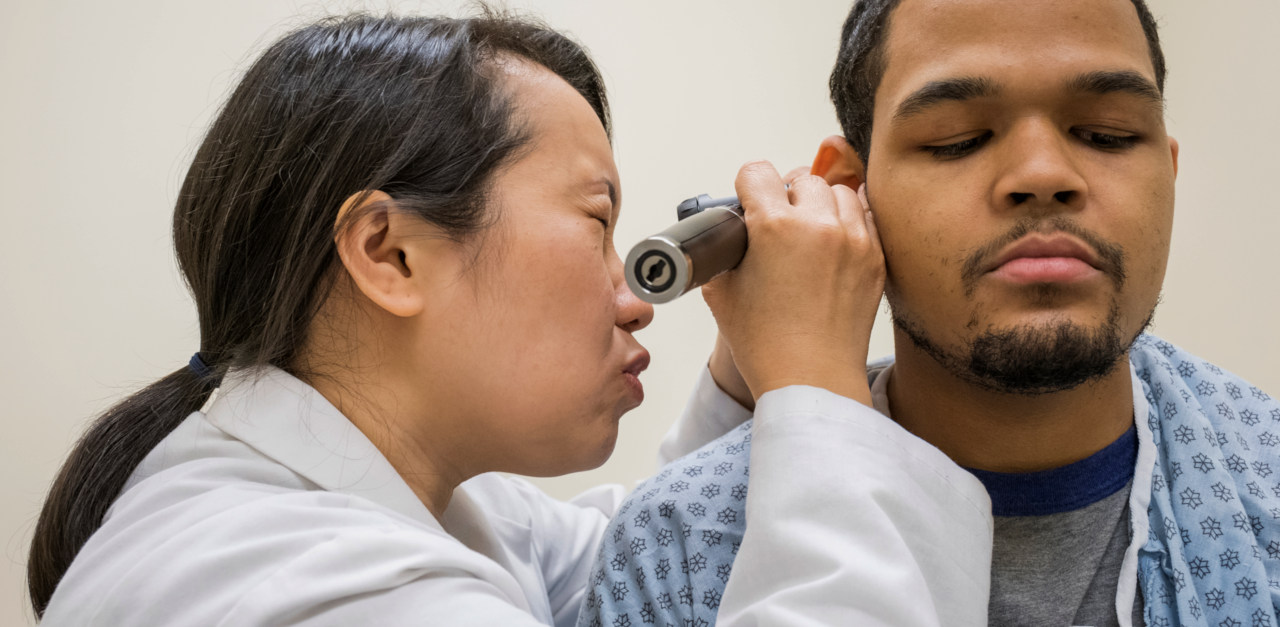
[1173, 150]
[838, 163]
[381, 250]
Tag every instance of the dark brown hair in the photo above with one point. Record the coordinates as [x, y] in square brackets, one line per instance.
[412, 106]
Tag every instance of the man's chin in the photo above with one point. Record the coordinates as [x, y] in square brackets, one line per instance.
[1043, 359]
[1032, 358]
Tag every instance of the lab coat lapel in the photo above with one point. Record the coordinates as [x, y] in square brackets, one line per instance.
[290, 422]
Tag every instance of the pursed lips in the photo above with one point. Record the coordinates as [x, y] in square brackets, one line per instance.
[637, 364]
[631, 375]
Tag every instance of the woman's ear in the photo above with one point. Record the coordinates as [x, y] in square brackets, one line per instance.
[838, 163]
[382, 251]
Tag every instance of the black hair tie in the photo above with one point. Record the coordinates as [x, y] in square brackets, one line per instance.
[198, 366]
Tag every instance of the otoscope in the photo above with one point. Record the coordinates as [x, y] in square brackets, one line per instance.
[709, 238]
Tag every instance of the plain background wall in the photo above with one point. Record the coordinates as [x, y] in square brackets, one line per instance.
[104, 103]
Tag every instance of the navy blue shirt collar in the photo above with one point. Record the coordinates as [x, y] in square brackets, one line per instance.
[1063, 489]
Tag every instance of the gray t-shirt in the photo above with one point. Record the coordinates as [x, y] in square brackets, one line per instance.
[1060, 539]
[1061, 569]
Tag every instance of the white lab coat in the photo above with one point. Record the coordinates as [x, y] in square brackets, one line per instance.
[271, 508]
[717, 411]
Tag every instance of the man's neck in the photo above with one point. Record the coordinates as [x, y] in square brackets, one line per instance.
[979, 428]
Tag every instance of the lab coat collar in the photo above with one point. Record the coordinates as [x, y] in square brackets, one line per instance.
[290, 422]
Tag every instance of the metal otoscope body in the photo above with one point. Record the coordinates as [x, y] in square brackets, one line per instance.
[710, 237]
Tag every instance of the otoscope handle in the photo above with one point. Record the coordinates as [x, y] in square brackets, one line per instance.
[710, 238]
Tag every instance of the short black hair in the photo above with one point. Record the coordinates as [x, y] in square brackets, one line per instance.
[860, 65]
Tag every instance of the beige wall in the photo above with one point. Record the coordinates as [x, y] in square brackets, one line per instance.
[103, 103]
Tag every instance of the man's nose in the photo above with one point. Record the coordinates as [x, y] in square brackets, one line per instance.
[1039, 169]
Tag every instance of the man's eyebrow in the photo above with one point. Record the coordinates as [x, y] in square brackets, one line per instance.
[948, 90]
[1117, 81]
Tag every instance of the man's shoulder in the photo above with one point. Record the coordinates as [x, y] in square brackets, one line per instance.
[713, 475]
[1150, 352]
[1174, 378]
[670, 547]
[707, 487]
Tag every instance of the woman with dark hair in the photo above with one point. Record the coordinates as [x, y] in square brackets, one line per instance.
[398, 235]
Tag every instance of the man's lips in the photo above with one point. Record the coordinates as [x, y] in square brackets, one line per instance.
[1046, 259]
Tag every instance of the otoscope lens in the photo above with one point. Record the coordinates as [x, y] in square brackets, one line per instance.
[655, 271]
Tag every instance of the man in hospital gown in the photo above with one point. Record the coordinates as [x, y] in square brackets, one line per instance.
[1016, 161]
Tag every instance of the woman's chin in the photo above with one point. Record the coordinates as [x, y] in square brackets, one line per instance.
[580, 458]
[600, 454]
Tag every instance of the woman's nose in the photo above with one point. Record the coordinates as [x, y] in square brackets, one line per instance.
[633, 313]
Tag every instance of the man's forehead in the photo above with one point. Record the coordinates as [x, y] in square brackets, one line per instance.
[931, 40]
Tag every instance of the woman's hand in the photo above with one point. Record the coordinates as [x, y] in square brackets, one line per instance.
[798, 310]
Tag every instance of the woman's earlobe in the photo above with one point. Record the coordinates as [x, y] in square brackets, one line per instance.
[838, 163]
[370, 244]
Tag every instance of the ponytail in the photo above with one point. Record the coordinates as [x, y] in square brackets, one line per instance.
[97, 470]
[409, 106]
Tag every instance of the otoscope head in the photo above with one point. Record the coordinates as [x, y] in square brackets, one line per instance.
[657, 270]
[709, 238]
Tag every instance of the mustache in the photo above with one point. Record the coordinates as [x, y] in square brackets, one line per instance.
[1111, 257]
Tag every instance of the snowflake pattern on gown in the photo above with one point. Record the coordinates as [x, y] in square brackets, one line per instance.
[1212, 557]
[667, 554]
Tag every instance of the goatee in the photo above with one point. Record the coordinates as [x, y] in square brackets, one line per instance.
[1031, 359]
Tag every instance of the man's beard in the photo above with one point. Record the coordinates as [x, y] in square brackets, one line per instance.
[1031, 359]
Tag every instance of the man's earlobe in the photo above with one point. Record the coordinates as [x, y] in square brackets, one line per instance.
[838, 163]
[371, 247]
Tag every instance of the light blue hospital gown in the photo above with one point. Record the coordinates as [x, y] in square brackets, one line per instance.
[670, 547]
[1212, 556]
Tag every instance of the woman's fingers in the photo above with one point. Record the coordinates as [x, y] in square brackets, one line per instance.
[799, 308]
[795, 173]
[760, 189]
[869, 220]
[849, 208]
